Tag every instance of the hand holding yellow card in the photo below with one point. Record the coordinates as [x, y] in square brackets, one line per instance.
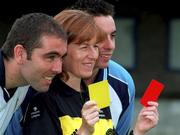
[99, 92]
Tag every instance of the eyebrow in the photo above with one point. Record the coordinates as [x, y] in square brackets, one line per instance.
[52, 53]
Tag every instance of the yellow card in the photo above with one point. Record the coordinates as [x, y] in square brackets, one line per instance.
[99, 92]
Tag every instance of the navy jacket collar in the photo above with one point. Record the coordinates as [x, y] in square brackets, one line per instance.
[100, 75]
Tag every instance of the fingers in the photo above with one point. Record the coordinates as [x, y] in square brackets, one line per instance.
[147, 118]
[152, 103]
[151, 112]
[90, 104]
[152, 106]
[90, 113]
[151, 115]
[90, 107]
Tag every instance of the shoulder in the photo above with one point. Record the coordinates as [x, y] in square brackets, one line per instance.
[39, 116]
[120, 73]
[36, 108]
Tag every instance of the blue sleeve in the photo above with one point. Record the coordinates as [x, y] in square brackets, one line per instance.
[14, 127]
[125, 121]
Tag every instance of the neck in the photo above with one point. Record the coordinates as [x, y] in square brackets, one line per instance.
[12, 76]
[74, 82]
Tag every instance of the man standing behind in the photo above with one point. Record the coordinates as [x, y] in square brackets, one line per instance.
[122, 89]
[31, 55]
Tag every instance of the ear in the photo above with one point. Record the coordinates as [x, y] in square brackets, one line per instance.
[20, 54]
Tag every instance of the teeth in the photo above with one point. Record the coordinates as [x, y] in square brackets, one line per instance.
[89, 64]
[105, 56]
[49, 78]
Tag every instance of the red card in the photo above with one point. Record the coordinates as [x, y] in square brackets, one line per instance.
[152, 92]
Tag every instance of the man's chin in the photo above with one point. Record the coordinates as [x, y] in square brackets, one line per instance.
[103, 65]
[42, 90]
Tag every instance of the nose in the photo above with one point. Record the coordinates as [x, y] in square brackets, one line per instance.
[109, 43]
[93, 52]
[57, 66]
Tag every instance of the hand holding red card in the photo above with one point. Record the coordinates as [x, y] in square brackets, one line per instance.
[152, 92]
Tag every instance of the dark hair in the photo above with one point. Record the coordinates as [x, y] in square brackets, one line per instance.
[95, 7]
[28, 31]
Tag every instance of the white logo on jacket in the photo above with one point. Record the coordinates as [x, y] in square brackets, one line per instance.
[35, 113]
